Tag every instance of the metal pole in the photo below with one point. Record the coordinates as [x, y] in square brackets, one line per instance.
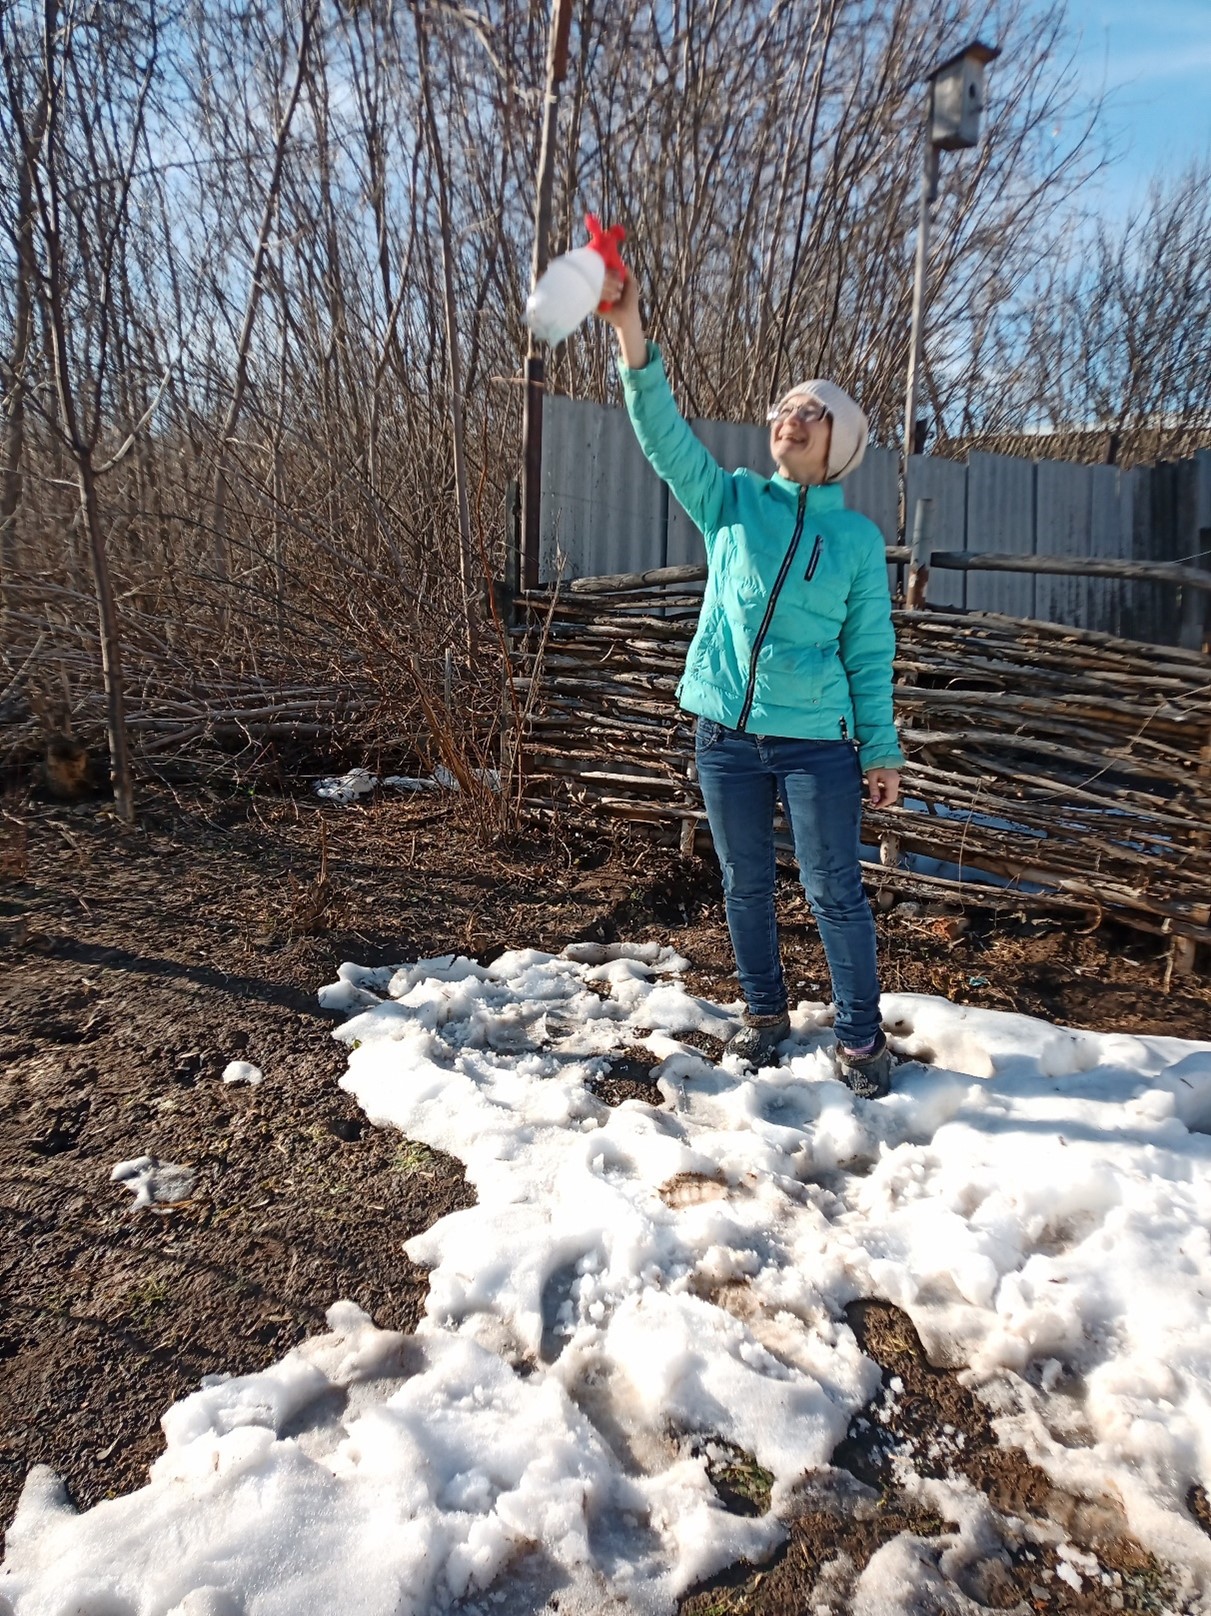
[918, 566]
[531, 426]
[929, 192]
[531, 467]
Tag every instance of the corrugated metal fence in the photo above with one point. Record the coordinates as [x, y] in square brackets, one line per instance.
[605, 511]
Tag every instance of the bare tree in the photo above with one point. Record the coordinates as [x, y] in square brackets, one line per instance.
[256, 286]
[23, 222]
[450, 310]
[80, 152]
[1119, 342]
[294, 241]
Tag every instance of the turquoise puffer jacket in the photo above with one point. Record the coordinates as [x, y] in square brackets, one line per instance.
[795, 635]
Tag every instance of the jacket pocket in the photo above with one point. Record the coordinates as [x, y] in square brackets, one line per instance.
[798, 677]
[814, 559]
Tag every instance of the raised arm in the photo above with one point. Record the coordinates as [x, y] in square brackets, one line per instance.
[692, 473]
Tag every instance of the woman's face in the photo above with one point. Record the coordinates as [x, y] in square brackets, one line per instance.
[799, 436]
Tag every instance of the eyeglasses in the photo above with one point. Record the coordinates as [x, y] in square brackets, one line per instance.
[807, 411]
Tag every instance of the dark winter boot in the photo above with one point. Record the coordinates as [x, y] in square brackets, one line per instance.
[867, 1071]
[758, 1038]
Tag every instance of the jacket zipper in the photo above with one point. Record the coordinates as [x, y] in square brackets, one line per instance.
[787, 561]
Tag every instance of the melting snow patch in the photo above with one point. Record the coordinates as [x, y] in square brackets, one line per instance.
[238, 1071]
[636, 1284]
[153, 1182]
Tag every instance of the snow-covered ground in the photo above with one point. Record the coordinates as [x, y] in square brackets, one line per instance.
[640, 1282]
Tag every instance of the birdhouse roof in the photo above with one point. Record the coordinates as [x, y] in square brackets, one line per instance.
[982, 53]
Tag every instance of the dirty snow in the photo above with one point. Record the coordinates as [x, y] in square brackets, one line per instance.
[153, 1183]
[241, 1071]
[638, 1282]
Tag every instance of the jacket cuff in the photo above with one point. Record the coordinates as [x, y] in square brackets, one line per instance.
[649, 376]
[870, 757]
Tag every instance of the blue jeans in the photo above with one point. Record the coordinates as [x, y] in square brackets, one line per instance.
[820, 785]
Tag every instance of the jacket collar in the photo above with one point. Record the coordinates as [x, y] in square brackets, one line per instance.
[820, 496]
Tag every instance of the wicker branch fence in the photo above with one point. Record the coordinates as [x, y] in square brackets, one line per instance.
[1073, 766]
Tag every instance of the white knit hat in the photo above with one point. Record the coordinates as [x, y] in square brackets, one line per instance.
[849, 425]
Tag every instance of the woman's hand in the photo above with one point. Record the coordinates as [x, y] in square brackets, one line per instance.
[883, 786]
[623, 314]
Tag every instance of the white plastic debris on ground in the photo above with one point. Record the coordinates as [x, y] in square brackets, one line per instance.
[637, 1282]
[347, 787]
[360, 783]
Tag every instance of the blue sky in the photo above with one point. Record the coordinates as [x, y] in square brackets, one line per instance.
[1154, 59]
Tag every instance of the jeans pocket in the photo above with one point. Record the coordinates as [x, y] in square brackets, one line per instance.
[707, 734]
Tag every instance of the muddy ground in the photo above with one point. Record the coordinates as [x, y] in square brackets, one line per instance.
[135, 964]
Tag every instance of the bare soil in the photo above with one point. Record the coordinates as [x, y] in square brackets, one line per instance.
[135, 964]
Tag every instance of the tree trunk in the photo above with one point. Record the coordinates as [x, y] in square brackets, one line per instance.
[457, 403]
[111, 642]
[222, 490]
[11, 486]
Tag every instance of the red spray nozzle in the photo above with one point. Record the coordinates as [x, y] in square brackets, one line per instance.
[606, 242]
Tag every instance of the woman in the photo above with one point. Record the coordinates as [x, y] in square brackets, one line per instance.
[790, 674]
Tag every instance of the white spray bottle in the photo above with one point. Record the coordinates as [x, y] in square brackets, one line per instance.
[569, 289]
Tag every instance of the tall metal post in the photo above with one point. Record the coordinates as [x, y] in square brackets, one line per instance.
[929, 193]
[531, 424]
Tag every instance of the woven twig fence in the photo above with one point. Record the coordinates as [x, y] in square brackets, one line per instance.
[198, 726]
[1054, 758]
